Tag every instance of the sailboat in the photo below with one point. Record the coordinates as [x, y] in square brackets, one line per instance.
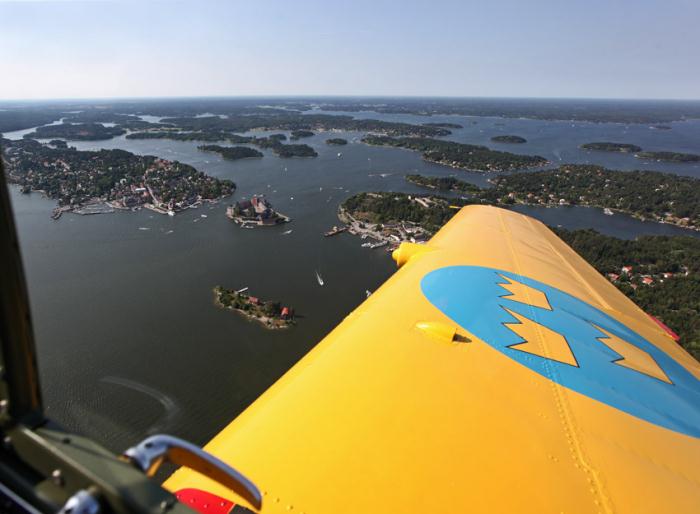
[320, 280]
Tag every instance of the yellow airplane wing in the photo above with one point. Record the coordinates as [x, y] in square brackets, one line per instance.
[496, 371]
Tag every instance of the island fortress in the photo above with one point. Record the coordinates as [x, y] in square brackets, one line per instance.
[255, 212]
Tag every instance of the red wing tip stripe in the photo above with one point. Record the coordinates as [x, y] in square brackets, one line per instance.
[663, 325]
[204, 502]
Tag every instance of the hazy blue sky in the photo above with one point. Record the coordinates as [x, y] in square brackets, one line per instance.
[569, 48]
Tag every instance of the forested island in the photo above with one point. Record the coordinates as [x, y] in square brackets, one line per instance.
[443, 183]
[118, 178]
[509, 139]
[611, 147]
[661, 274]
[76, 132]
[271, 315]
[298, 134]
[180, 136]
[669, 156]
[337, 141]
[231, 152]
[460, 155]
[294, 151]
[273, 142]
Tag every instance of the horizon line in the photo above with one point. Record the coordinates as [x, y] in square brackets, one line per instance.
[353, 96]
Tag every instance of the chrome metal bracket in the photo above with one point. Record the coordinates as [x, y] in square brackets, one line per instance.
[150, 453]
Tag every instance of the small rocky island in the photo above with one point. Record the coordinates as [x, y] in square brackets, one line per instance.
[256, 212]
[338, 141]
[271, 315]
[612, 147]
[509, 139]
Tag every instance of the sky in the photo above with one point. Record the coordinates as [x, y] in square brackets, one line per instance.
[488, 48]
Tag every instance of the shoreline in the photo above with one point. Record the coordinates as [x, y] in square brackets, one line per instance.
[93, 205]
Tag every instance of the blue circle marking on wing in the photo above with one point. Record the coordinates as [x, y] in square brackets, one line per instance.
[475, 298]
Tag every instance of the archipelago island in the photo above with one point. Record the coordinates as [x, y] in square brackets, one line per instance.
[231, 153]
[256, 212]
[509, 139]
[271, 315]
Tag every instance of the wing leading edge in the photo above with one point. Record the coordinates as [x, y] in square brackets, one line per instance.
[496, 371]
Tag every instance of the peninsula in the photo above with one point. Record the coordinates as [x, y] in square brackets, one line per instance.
[442, 183]
[120, 179]
[271, 315]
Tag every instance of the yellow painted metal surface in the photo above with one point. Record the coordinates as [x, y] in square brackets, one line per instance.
[387, 415]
